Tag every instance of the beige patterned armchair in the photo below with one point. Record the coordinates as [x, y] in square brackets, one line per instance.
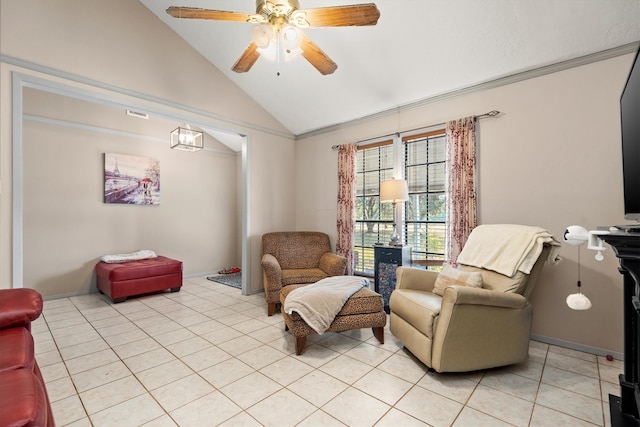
[296, 257]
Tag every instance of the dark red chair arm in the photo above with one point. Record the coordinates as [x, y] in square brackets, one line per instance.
[19, 307]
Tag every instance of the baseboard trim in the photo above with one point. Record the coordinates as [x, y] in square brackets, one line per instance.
[66, 295]
[575, 346]
[192, 275]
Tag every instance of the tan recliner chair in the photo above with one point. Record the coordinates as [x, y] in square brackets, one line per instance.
[467, 328]
[294, 258]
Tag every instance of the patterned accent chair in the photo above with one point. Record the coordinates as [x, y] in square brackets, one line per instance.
[294, 258]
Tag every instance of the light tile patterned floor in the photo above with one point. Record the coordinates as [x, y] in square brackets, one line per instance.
[208, 356]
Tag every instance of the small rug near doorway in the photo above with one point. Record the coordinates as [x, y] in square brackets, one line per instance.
[233, 280]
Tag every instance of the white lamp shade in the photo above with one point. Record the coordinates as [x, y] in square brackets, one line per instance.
[394, 191]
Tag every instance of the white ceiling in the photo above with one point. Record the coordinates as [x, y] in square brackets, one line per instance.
[418, 50]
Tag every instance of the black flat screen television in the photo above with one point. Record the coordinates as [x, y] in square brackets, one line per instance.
[630, 121]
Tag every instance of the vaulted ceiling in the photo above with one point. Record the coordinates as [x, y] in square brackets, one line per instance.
[419, 49]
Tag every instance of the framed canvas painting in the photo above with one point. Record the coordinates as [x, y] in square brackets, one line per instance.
[133, 180]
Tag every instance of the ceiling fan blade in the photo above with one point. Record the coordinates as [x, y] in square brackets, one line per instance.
[316, 57]
[342, 16]
[197, 13]
[248, 58]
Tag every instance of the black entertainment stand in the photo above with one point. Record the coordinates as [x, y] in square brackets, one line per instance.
[624, 409]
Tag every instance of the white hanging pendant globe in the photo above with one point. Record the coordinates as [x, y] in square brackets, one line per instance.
[578, 302]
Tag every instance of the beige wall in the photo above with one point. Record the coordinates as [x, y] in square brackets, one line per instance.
[552, 159]
[120, 42]
[67, 227]
[93, 47]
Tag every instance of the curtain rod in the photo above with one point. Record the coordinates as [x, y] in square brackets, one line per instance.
[492, 113]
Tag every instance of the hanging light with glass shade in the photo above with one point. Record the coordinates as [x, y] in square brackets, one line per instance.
[187, 139]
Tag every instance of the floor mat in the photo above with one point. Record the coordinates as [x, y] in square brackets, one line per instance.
[233, 280]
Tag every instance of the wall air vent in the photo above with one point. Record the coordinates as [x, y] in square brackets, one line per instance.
[138, 114]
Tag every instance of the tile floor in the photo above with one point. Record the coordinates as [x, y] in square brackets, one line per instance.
[208, 356]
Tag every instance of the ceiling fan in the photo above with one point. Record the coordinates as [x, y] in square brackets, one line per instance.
[277, 29]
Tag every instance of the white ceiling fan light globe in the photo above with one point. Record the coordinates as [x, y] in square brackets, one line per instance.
[291, 37]
[261, 35]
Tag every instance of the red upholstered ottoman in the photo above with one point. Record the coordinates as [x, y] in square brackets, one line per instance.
[125, 279]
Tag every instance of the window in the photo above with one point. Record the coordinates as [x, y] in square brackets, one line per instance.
[420, 159]
[374, 220]
[425, 212]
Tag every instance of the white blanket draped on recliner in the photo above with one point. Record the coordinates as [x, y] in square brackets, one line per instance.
[320, 302]
[507, 248]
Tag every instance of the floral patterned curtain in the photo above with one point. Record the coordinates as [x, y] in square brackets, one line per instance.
[461, 190]
[346, 202]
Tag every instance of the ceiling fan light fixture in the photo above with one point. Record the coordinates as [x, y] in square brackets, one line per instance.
[290, 54]
[269, 52]
[291, 37]
[261, 35]
[299, 19]
[276, 7]
[278, 30]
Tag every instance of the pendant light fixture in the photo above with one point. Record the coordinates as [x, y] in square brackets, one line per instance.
[576, 235]
[187, 139]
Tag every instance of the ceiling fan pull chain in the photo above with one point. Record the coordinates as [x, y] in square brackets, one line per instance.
[278, 54]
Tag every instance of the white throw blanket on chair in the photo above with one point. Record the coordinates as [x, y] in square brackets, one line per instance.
[507, 248]
[320, 302]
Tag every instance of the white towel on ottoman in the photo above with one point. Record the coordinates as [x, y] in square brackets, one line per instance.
[320, 302]
[133, 256]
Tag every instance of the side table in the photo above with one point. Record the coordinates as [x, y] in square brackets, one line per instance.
[386, 260]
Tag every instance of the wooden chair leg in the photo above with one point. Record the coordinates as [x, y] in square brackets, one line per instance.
[379, 334]
[300, 343]
[271, 308]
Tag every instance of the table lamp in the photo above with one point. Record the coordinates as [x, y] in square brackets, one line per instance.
[394, 191]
